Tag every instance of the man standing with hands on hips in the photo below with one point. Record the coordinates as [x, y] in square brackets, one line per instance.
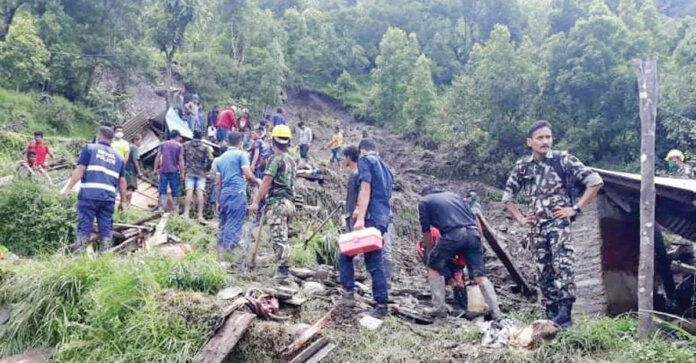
[547, 177]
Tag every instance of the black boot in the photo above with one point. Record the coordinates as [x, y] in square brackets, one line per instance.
[564, 316]
[551, 311]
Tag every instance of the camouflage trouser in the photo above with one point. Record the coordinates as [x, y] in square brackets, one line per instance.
[554, 255]
[279, 216]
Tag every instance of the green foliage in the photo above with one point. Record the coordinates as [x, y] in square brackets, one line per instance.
[23, 55]
[189, 230]
[108, 308]
[34, 219]
[421, 97]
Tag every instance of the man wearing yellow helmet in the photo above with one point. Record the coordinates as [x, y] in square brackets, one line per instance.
[677, 168]
[279, 183]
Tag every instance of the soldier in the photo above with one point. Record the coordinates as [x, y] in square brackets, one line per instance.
[547, 178]
[279, 183]
[677, 168]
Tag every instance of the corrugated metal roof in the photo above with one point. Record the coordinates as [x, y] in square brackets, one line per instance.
[135, 126]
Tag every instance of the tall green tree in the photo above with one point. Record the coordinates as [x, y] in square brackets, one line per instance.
[169, 20]
[23, 55]
[421, 97]
[397, 56]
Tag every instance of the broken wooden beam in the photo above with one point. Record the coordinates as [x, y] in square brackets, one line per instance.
[126, 226]
[413, 315]
[124, 245]
[490, 236]
[149, 218]
[310, 351]
[308, 334]
[221, 344]
[323, 353]
[157, 237]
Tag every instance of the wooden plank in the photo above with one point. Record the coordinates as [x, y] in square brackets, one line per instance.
[490, 236]
[157, 237]
[149, 218]
[310, 351]
[646, 72]
[413, 315]
[221, 344]
[323, 353]
[308, 334]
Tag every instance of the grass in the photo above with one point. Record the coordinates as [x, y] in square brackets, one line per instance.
[108, 308]
[189, 230]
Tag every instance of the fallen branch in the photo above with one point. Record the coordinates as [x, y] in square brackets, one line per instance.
[308, 334]
[413, 315]
[124, 244]
[149, 218]
[318, 229]
[221, 344]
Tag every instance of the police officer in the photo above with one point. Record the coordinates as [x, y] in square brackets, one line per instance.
[547, 178]
[101, 170]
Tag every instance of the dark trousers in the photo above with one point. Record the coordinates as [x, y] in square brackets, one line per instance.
[173, 180]
[374, 261]
[88, 210]
[304, 151]
[233, 209]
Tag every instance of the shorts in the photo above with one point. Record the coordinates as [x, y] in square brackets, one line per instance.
[131, 182]
[194, 182]
[464, 242]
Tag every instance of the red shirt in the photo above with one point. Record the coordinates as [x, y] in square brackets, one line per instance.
[226, 119]
[41, 150]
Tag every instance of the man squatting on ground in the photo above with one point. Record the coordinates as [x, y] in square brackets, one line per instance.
[232, 171]
[372, 210]
[101, 170]
[460, 235]
[547, 178]
[279, 184]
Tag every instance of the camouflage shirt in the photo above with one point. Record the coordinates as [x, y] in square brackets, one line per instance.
[282, 168]
[542, 184]
[682, 171]
[196, 157]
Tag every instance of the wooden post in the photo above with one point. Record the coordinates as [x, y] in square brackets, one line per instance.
[647, 91]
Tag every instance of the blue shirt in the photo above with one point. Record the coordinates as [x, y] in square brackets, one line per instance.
[373, 170]
[229, 166]
[103, 169]
[279, 119]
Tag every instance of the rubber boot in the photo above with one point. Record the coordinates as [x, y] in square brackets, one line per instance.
[461, 298]
[564, 316]
[551, 311]
[437, 288]
[347, 299]
[106, 244]
[491, 299]
[81, 244]
[380, 311]
[177, 204]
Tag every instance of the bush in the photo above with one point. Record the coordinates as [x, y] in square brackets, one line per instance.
[34, 220]
[108, 308]
[55, 111]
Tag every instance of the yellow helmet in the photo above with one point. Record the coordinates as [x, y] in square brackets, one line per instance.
[281, 134]
[675, 153]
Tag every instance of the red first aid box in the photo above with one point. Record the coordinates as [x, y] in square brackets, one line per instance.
[362, 241]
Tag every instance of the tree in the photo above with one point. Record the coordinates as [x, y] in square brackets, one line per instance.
[421, 96]
[23, 56]
[397, 56]
[170, 19]
[8, 9]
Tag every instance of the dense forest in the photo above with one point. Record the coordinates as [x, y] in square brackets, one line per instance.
[469, 75]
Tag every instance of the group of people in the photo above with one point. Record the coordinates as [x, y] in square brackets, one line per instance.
[261, 176]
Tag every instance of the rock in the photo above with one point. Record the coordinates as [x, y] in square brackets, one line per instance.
[302, 273]
[4, 314]
[311, 288]
[533, 333]
[174, 249]
[229, 293]
[370, 323]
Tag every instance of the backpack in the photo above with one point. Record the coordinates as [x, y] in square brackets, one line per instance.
[573, 187]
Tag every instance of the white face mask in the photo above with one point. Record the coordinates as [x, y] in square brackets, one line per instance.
[119, 135]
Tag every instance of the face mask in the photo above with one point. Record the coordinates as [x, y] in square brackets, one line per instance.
[671, 165]
[119, 135]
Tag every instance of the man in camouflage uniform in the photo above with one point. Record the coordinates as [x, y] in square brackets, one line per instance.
[279, 182]
[547, 178]
[677, 167]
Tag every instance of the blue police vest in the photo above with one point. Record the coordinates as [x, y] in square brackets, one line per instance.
[101, 174]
